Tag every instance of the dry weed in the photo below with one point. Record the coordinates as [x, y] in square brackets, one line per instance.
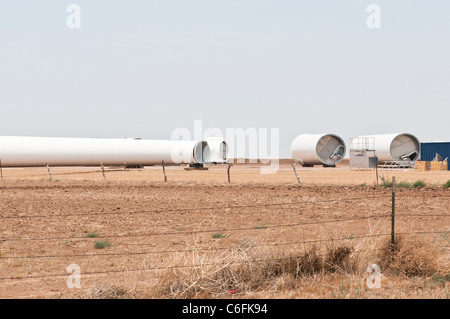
[251, 270]
[104, 291]
[410, 256]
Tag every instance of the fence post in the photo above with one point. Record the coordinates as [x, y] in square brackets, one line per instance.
[295, 171]
[103, 172]
[164, 172]
[393, 213]
[376, 169]
[49, 172]
[228, 173]
[1, 168]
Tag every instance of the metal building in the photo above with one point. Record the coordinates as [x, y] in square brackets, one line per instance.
[362, 153]
[429, 150]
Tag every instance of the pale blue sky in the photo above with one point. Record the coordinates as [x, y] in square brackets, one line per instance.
[144, 68]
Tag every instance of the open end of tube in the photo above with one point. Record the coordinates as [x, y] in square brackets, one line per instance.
[201, 152]
[224, 151]
[405, 147]
[330, 149]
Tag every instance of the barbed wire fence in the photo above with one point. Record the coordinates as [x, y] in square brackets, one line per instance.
[392, 216]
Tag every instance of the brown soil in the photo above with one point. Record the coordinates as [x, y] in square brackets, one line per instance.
[139, 213]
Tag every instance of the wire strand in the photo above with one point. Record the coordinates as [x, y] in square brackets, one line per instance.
[347, 237]
[199, 231]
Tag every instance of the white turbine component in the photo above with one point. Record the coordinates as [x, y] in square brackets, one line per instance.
[55, 151]
[312, 149]
[218, 150]
[395, 147]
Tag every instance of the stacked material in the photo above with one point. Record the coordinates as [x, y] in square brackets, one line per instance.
[431, 166]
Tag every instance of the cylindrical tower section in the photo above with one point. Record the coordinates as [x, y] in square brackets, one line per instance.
[218, 149]
[396, 147]
[18, 151]
[202, 153]
[316, 149]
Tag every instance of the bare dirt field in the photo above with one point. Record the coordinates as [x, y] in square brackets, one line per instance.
[161, 236]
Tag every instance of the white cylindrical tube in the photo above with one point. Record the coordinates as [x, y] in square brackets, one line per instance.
[314, 149]
[18, 151]
[218, 150]
[395, 147]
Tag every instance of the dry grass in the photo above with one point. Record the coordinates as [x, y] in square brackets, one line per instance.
[415, 268]
[412, 256]
[331, 271]
[245, 272]
[105, 291]
[338, 260]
